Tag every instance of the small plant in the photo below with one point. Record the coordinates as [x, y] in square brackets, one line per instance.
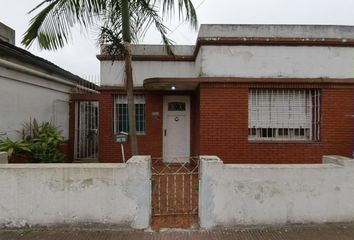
[14, 147]
[46, 153]
[30, 129]
[43, 140]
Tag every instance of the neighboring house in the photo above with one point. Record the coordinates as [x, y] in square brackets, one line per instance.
[32, 87]
[246, 93]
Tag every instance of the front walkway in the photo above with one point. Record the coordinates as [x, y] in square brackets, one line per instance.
[313, 232]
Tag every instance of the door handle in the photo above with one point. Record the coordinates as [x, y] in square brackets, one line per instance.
[165, 131]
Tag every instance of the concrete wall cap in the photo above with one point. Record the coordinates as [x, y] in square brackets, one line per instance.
[65, 165]
[210, 158]
[139, 159]
[276, 31]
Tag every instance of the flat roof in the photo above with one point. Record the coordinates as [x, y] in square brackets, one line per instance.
[245, 34]
[276, 31]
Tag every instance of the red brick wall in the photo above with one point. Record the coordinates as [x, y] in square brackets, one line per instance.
[224, 126]
[149, 144]
[219, 125]
[195, 124]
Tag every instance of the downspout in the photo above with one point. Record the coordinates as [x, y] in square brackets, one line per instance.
[36, 73]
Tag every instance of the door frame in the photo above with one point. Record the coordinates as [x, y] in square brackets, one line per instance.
[187, 100]
[91, 150]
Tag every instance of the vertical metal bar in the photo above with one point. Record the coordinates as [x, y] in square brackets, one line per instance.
[318, 114]
[115, 115]
[183, 203]
[159, 194]
[167, 198]
[89, 130]
[175, 192]
[76, 137]
[78, 148]
[86, 128]
[83, 129]
[288, 108]
[95, 130]
[80, 129]
[97, 127]
[191, 192]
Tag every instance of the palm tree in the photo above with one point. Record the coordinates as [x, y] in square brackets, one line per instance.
[121, 23]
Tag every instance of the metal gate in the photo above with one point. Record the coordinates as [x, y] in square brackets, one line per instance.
[86, 137]
[174, 193]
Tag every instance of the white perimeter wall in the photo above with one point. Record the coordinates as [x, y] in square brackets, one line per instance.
[23, 96]
[241, 194]
[55, 194]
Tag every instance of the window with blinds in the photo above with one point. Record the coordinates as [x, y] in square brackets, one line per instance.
[120, 120]
[284, 114]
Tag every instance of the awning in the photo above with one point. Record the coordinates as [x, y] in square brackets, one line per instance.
[171, 84]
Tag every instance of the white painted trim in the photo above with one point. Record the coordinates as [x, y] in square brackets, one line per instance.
[185, 99]
[36, 73]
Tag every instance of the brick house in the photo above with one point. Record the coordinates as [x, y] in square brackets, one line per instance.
[246, 93]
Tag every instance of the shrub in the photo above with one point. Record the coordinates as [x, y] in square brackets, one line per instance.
[43, 141]
[14, 147]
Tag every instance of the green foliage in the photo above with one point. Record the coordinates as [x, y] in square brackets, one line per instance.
[43, 141]
[30, 129]
[14, 147]
[52, 26]
[44, 153]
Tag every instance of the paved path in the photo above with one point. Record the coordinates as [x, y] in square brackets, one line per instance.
[322, 232]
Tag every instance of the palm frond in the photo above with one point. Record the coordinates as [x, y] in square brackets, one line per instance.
[51, 27]
[148, 12]
[186, 10]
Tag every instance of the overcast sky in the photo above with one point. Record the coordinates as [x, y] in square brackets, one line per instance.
[79, 56]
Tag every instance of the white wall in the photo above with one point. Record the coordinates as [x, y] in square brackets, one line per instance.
[243, 61]
[3, 158]
[255, 194]
[113, 75]
[55, 194]
[23, 96]
[277, 61]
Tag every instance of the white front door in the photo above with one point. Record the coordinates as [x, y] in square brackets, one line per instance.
[176, 129]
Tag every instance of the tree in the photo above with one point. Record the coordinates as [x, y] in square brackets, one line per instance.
[121, 23]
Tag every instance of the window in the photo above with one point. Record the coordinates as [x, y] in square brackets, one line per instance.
[283, 114]
[176, 106]
[121, 122]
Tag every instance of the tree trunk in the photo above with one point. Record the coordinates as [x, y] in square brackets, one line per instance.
[129, 76]
[130, 99]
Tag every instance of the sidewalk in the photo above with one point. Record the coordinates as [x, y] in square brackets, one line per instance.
[313, 232]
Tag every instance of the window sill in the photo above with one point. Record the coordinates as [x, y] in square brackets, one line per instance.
[283, 142]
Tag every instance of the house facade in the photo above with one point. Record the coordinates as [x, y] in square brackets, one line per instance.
[32, 87]
[246, 93]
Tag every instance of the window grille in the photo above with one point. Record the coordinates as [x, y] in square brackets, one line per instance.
[120, 121]
[284, 114]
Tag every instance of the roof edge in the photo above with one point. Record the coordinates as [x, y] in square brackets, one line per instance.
[236, 41]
